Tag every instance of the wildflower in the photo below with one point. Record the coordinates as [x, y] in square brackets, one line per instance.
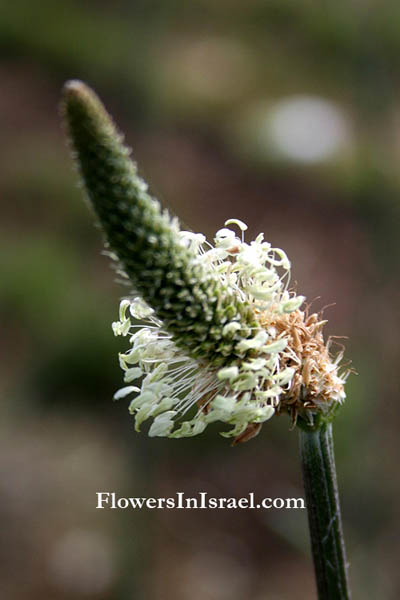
[214, 332]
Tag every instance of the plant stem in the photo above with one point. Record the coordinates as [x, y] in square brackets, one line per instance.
[322, 499]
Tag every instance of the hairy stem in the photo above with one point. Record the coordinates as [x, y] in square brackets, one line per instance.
[322, 498]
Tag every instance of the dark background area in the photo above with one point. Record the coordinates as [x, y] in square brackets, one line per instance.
[282, 113]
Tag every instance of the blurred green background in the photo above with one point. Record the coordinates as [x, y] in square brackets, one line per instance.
[283, 113]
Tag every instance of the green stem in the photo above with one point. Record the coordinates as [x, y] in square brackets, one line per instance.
[322, 498]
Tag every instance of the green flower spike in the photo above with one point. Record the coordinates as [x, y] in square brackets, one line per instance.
[220, 336]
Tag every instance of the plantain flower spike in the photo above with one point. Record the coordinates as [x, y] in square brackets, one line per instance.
[214, 332]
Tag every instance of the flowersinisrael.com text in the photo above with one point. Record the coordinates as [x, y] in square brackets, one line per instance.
[200, 500]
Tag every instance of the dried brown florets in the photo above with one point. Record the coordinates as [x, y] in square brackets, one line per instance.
[316, 384]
